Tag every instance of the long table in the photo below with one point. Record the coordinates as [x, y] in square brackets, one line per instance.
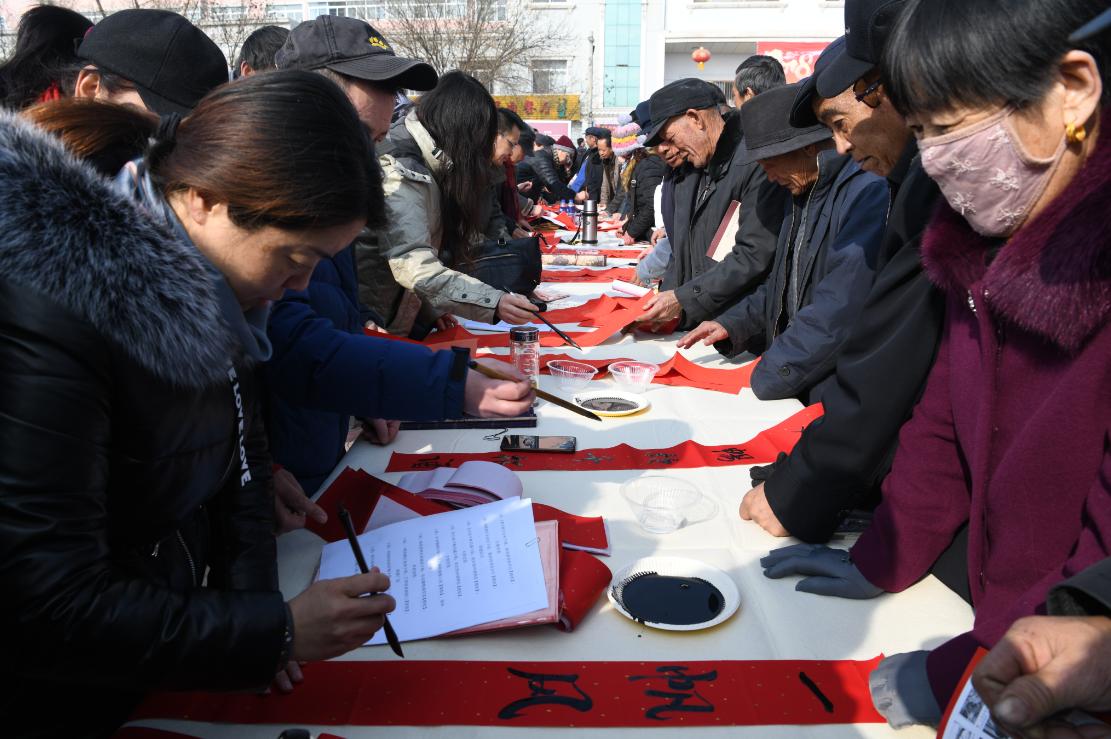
[774, 621]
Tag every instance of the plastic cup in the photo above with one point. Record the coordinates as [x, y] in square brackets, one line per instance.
[664, 504]
[634, 377]
[571, 375]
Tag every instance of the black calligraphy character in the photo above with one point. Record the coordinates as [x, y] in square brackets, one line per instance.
[664, 458]
[428, 463]
[542, 695]
[589, 457]
[681, 688]
[507, 460]
[733, 454]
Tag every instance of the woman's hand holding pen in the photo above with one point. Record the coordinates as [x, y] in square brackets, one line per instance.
[332, 617]
[516, 309]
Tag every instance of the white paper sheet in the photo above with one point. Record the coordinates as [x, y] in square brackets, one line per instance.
[498, 328]
[452, 570]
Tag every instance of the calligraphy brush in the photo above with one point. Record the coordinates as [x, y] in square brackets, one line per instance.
[566, 339]
[495, 375]
[349, 528]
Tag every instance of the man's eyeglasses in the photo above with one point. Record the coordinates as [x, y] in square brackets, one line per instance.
[870, 92]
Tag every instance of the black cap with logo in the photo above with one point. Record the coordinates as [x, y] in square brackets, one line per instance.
[171, 62]
[868, 25]
[352, 47]
[677, 98]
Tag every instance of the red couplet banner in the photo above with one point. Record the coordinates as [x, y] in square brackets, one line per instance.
[761, 449]
[571, 694]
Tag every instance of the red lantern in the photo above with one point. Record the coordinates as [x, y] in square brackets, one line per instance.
[701, 55]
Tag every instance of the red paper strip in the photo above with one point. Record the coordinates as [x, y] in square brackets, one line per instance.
[604, 327]
[564, 694]
[582, 580]
[358, 492]
[761, 449]
[593, 309]
[589, 275]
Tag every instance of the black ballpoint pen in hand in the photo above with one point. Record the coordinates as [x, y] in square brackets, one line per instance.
[353, 539]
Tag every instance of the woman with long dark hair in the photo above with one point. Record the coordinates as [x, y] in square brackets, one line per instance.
[136, 540]
[1012, 436]
[43, 64]
[440, 203]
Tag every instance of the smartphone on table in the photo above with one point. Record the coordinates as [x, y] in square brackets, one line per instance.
[522, 443]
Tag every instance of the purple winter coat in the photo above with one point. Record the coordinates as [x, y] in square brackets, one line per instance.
[1012, 432]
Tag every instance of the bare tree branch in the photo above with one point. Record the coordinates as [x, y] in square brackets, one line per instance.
[494, 40]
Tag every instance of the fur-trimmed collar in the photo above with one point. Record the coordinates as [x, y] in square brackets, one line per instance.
[66, 233]
[1053, 277]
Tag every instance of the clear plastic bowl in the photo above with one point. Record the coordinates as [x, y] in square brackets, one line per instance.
[663, 504]
[634, 377]
[571, 375]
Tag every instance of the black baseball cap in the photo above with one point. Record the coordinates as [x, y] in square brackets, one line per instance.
[171, 62]
[802, 112]
[766, 122]
[868, 25]
[1098, 25]
[352, 47]
[677, 98]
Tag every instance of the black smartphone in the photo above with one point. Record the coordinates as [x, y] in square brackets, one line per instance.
[520, 443]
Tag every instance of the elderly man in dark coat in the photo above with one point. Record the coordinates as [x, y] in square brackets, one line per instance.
[824, 264]
[689, 126]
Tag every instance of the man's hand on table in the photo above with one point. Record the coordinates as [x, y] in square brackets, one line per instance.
[332, 617]
[379, 431]
[1045, 665]
[826, 571]
[291, 505]
[708, 332]
[661, 309]
[287, 677]
[487, 398]
[658, 234]
[755, 508]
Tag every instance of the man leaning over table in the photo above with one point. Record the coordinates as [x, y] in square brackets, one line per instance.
[324, 370]
[824, 264]
[689, 125]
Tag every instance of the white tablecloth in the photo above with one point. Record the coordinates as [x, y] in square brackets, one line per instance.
[774, 621]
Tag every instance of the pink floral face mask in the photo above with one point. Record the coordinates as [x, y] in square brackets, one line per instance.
[987, 175]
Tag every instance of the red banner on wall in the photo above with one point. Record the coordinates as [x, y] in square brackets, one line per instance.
[571, 694]
[798, 58]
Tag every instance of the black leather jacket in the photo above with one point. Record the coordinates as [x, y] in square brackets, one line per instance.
[132, 465]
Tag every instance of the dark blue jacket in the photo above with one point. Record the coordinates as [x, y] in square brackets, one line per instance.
[846, 218]
[325, 370]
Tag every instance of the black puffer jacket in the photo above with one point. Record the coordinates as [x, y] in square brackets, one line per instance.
[540, 169]
[647, 176]
[131, 461]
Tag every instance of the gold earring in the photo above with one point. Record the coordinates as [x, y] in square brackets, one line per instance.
[1075, 134]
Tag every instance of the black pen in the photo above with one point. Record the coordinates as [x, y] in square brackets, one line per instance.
[345, 518]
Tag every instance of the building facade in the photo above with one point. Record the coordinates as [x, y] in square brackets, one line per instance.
[606, 55]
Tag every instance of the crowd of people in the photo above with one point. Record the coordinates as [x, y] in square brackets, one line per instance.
[190, 252]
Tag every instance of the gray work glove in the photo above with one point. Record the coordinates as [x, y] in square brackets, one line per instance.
[901, 690]
[827, 571]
